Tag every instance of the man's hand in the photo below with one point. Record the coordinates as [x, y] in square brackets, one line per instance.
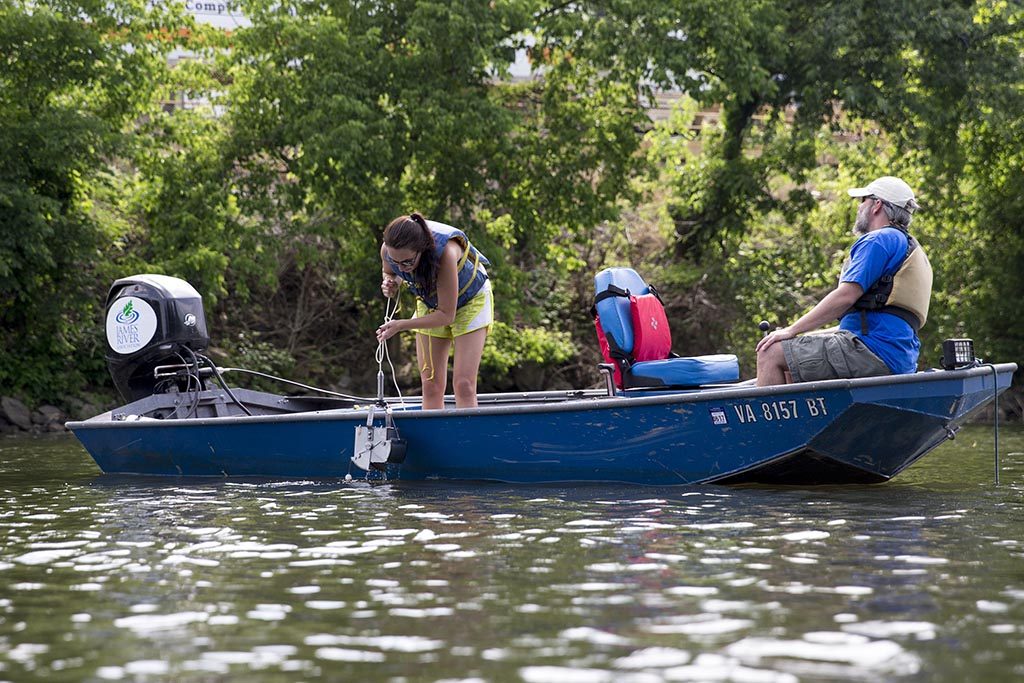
[781, 334]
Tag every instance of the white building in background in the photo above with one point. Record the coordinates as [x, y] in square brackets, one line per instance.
[219, 13]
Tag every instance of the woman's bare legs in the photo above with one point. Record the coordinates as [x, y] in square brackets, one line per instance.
[432, 354]
[468, 350]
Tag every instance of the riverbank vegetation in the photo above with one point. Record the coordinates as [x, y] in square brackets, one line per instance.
[260, 164]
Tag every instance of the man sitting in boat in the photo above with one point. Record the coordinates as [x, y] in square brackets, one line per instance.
[454, 306]
[881, 301]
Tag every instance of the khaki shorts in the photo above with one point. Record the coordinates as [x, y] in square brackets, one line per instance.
[833, 355]
[476, 313]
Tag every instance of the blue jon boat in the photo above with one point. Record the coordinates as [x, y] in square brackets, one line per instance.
[179, 423]
[835, 432]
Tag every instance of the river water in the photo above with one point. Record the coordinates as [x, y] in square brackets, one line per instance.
[141, 579]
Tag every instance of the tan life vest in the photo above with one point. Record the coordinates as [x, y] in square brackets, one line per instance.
[912, 286]
[905, 294]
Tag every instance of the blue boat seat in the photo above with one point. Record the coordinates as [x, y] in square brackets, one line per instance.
[614, 316]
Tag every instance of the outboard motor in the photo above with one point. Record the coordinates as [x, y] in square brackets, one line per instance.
[153, 320]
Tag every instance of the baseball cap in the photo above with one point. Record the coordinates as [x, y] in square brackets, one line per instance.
[889, 188]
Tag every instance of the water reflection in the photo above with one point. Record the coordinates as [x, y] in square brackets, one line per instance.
[105, 578]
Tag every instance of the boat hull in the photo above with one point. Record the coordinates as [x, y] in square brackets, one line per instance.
[835, 432]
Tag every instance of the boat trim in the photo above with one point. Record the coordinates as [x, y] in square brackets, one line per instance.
[558, 401]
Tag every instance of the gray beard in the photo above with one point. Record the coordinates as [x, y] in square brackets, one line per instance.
[860, 226]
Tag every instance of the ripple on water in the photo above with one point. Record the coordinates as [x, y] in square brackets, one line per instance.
[269, 612]
[177, 559]
[147, 667]
[920, 630]
[589, 587]
[562, 674]
[25, 653]
[386, 643]
[259, 657]
[694, 591]
[619, 568]
[593, 635]
[339, 654]
[392, 532]
[707, 668]
[699, 625]
[443, 547]
[326, 604]
[828, 653]
[920, 559]
[555, 572]
[38, 557]
[148, 623]
[421, 613]
[716, 526]
[1014, 594]
[653, 658]
[809, 535]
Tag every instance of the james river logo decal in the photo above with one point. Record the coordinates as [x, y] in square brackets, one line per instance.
[131, 324]
[128, 314]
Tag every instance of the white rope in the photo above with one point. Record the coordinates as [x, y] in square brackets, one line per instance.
[382, 348]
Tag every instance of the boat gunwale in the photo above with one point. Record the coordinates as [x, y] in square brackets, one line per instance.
[570, 404]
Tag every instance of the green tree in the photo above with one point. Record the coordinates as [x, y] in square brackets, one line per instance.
[74, 75]
[315, 125]
[347, 114]
[815, 98]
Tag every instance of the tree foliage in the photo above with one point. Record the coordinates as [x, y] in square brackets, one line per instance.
[74, 76]
[311, 127]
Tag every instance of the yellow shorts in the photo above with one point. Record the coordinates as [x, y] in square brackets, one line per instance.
[478, 312]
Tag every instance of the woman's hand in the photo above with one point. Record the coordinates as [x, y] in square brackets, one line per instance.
[389, 329]
[389, 285]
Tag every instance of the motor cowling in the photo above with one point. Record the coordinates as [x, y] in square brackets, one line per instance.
[153, 320]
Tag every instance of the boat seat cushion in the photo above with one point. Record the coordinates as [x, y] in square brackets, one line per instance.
[614, 311]
[615, 314]
[689, 371]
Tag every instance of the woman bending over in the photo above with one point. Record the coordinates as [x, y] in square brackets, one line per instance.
[453, 302]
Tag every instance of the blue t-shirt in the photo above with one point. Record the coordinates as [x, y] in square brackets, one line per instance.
[889, 337]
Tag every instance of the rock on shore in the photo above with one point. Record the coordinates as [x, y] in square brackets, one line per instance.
[15, 416]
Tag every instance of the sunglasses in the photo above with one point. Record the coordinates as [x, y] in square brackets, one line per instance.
[406, 263]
